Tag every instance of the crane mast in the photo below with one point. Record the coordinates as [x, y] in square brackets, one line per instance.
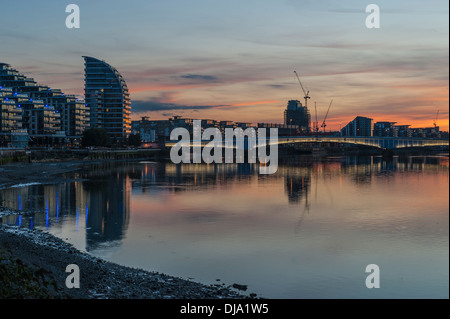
[316, 123]
[303, 89]
[435, 121]
[324, 125]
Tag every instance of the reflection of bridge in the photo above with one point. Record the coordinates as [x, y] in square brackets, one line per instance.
[379, 142]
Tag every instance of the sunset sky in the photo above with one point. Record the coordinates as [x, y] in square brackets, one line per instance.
[235, 60]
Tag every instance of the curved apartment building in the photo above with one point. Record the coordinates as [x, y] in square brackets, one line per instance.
[107, 98]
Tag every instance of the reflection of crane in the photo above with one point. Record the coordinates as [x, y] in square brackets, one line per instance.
[324, 125]
[304, 92]
[435, 121]
[302, 217]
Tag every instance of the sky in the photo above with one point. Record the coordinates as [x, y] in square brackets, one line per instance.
[235, 60]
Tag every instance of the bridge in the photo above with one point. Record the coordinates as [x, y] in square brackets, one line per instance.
[388, 143]
[379, 142]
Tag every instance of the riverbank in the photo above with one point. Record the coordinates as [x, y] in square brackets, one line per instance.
[46, 172]
[33, 265]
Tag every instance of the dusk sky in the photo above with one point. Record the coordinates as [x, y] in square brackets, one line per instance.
[235, 60]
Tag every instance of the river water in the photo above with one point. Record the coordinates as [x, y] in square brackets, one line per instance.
[308, 231]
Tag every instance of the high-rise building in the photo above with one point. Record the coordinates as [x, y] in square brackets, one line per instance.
[360, 126]
[11, 132]
[49, 115]
[108, 99]
[73, 112]
[297, 114]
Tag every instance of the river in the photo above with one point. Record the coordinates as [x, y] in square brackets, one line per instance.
[308, 231]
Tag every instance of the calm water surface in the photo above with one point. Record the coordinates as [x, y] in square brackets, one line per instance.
[309, 231]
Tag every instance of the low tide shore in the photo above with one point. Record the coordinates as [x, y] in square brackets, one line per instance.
[33, 263]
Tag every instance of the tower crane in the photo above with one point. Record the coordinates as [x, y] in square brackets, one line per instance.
[435, 121]
[316, 123]
[324, 125]
[304, 92]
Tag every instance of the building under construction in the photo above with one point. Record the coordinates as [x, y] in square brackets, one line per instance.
[297, 114]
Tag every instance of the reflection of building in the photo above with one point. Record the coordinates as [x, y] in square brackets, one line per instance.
[107, 98]
[52, 203]
[297, 187]
[360, 168]
[109, 198]
[101, 204]
[360, 126]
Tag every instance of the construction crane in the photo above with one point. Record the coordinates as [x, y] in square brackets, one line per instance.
[304, 92]
[324, 125]
[316, 123]
[435, 121]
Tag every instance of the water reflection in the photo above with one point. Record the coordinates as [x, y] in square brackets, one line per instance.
[307, 231]
[98, 202]
[108, 208]
[99, 199]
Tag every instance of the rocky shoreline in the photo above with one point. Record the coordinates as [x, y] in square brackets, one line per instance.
[33, 263]
[43, 259]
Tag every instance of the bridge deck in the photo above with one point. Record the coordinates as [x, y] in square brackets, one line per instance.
[380, 142]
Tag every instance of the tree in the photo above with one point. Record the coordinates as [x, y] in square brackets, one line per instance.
[134, 139]
[95, 137]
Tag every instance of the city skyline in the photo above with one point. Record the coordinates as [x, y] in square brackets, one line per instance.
[235, 61]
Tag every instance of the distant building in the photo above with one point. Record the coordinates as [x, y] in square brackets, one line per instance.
[426, 132]
[360, 126]
[385, 129]
[146, 129]
[297, 114]
[283, 129]
[159, 130]
[404, 130]
[107, 98]
[223, 125]
[244, 125]
[178, 121]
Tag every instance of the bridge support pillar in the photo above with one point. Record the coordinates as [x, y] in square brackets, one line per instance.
[388, 153]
